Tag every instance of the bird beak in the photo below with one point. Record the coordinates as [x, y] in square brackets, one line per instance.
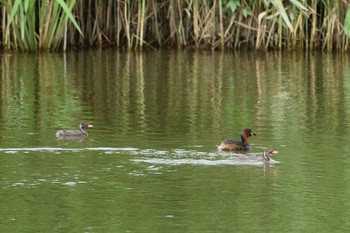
[252, 133]
[275, 152]
[90, 126]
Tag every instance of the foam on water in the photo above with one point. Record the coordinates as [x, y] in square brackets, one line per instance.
[193, 157]
[55, 149]
[204, 162]
[178, 156]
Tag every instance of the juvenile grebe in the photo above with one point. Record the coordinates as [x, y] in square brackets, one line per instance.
[257, 158]
[75, 133]
[268, 153]
[233, 145]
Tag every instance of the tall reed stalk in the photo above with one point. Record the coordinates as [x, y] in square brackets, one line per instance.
[215, 24]
[33, 25]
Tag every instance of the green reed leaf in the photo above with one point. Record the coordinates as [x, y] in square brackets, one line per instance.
[279, 6]
[233, 5]
[69, 14]
[13, 12]
[26, 5]
[298, 5]
[347, 24]
[22, 23]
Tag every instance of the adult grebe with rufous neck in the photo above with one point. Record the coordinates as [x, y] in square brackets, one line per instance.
[235, 145]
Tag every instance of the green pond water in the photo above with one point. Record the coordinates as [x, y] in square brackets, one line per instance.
[151, 164]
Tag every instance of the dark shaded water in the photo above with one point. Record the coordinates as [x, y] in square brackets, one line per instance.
[151, 164]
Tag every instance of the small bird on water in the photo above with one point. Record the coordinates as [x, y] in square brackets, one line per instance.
[235, 145]
[258, 158]
[75, 133]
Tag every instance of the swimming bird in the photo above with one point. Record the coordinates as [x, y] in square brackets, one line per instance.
[233, 145]
[75, 133]
[257, 158]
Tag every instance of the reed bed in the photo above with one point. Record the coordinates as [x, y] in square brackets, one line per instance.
[214, 24]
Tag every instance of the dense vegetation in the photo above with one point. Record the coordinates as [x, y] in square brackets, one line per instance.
[217, 24]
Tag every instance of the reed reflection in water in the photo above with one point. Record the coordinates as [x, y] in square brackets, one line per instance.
[192, 94]
[157, 118]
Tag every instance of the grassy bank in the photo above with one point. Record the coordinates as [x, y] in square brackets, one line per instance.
[133, 24]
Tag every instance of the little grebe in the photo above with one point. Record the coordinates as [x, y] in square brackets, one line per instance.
[233, 145]
[254, 158]
[75, 133]
[268, 153]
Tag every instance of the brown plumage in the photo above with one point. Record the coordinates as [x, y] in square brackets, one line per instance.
[233, 145]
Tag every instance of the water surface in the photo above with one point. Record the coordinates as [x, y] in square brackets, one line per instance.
[151, 164]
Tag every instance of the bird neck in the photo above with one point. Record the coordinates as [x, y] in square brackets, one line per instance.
[244, 138]
[84, 132]
[266, 157]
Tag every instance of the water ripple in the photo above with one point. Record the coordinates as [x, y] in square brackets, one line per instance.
[55, 149]
[178, 156]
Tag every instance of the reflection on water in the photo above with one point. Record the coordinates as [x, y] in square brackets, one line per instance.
[175, 92]
[151, 161]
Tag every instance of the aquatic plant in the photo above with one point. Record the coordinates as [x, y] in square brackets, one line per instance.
[32, 25]
[214, 24]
